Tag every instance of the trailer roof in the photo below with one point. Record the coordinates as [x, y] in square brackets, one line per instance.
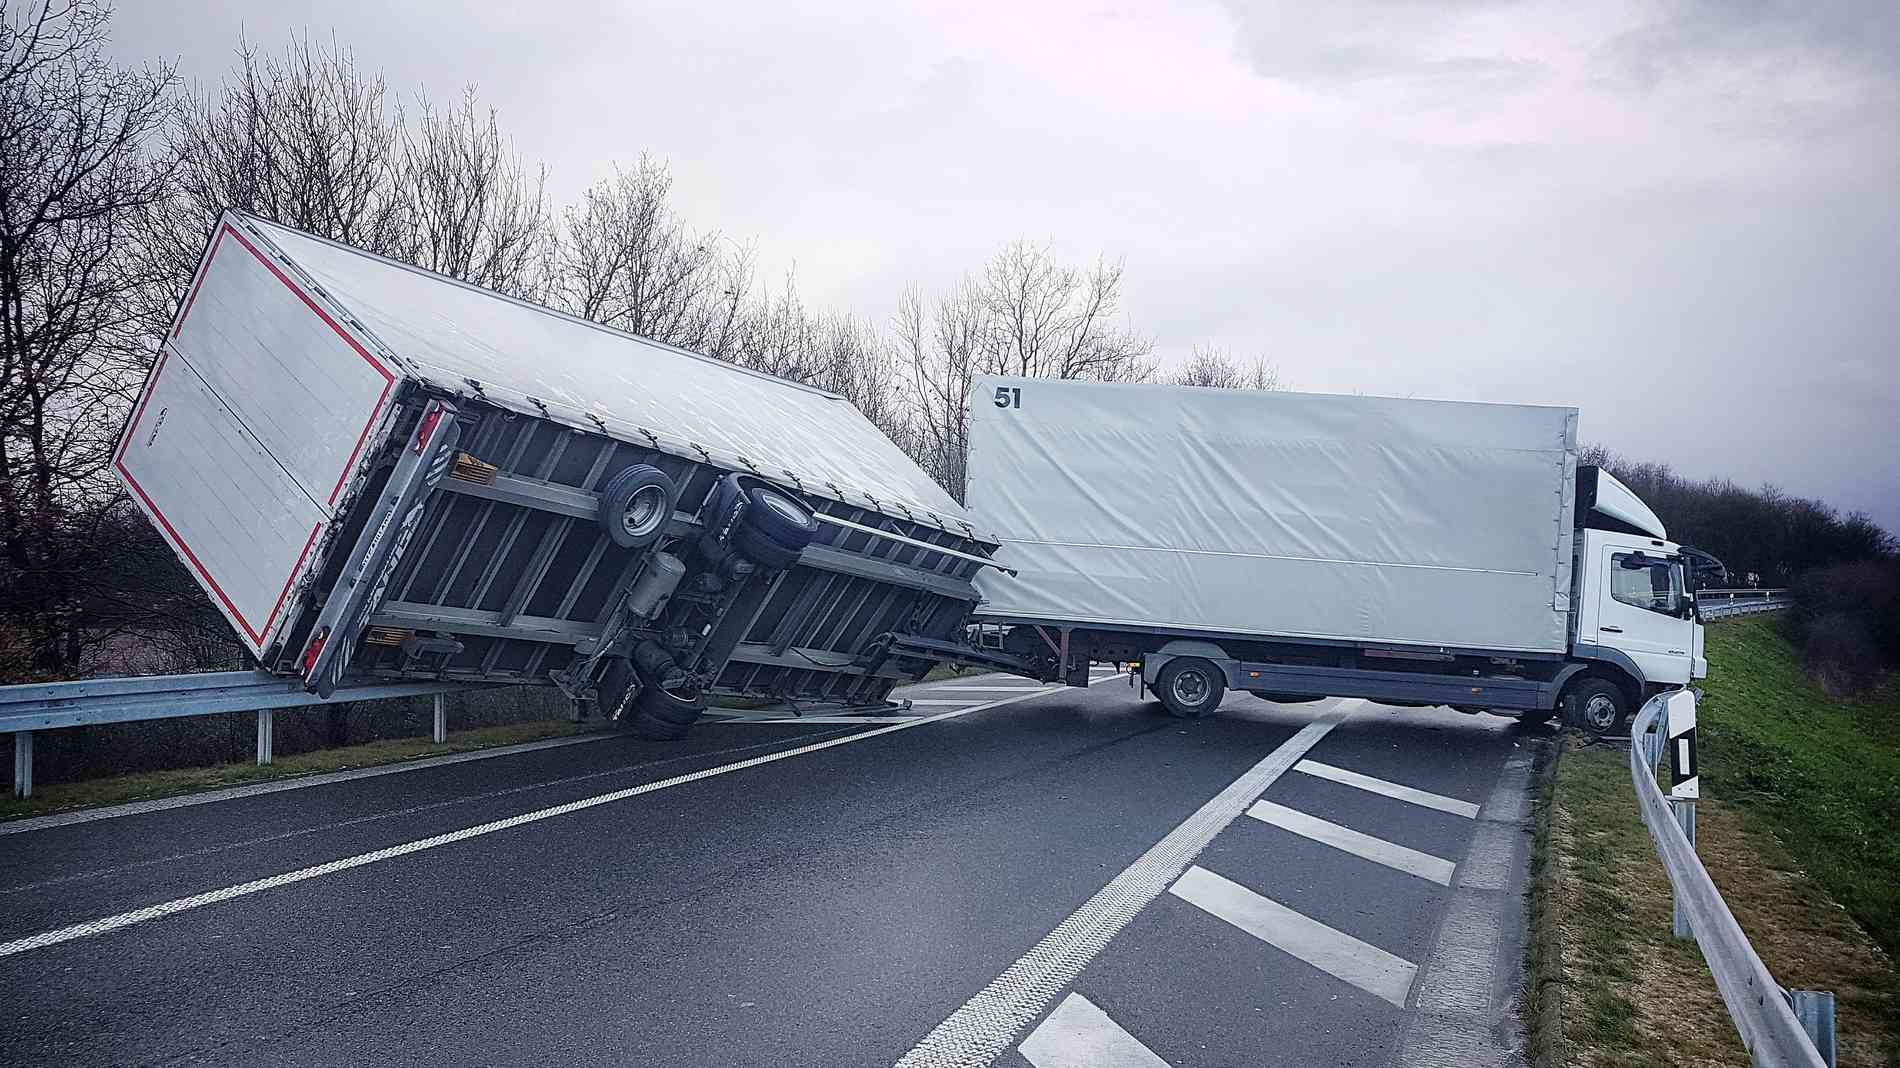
[450, 334]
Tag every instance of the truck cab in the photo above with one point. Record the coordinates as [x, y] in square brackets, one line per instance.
[1634, 603]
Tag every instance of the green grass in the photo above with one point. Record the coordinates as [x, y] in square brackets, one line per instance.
[1799, 826]
[1823, 775]
[118, 789]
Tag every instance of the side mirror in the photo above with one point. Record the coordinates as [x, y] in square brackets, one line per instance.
[1635, 561]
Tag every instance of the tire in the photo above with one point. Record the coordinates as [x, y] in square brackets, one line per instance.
[1595, 706]
[752, 544]
[666, 717]
[779, 518]
[635, 506]
[1190, 687]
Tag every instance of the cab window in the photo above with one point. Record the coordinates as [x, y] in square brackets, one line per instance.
[1656, 587]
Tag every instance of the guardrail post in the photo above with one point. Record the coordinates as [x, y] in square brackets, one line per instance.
[1684, 811]
[441, 732]
[265, 730]
[23, 764]
[1685, 785]
[1815, 1010]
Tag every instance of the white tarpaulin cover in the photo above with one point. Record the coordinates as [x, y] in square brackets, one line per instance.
[448, 332]
[1404, 522]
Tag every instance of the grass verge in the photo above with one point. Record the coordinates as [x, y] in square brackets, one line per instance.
[119, 789]
[1790, 828]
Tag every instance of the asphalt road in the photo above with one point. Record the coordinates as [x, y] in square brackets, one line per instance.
[1066, 878]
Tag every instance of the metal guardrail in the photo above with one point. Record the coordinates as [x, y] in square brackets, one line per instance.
[1719, 604]
[51, 705]
[1780, 1028]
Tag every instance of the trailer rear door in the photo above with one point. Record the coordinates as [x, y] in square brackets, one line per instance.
[244, 441]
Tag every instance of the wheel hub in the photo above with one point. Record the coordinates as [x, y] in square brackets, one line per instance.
[1190, 687]
[1600, 712]
[644, 511]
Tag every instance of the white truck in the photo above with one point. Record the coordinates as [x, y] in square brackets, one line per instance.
[1300, 546]
[378, 472]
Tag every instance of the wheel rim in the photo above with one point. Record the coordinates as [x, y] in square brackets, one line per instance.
[646, 510]
[1600, 712]
[785, 508]
[1189, 688]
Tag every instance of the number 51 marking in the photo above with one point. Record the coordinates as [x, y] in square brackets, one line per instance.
[1009, 397]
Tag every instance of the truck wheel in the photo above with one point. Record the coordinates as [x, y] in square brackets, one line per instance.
[781, 519]
[1596, 706]
[635, 506]
[752, 543]
[666, 717]
[1190, 688]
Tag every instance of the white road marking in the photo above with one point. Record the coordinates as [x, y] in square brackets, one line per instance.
[1345, 839]
[986, 1025]
[164, 804]
[932, 704]
[1336, 953]
[795, 720]
[167, 908]
[1389, 789]
[987, 689]
[1079, 1035]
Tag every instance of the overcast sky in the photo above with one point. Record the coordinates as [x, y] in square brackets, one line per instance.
[1681, 218]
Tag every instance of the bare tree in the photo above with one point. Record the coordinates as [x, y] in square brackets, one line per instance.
[466, 208]
[73, 174]
[627, 261]
[1025, 315]
[1216, 367]
[301, 138]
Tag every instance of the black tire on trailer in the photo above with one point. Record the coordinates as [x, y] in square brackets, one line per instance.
[779, 518]
[664, 716]
[748, 541]
[636, 504]
[1190, 687]
[1595, 705]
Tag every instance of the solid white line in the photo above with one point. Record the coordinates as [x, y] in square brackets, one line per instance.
[232, 793]
[1079, 1035]
[212, 897]
[1389, 789]
[986, 1025]
[987, 689]
[1345, 839]
[932, 704]
[795, 720]
[1336, 953]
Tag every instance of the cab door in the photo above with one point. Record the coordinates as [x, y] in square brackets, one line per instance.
[1639, 612]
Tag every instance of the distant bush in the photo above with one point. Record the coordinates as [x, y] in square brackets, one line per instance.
[1846, 620]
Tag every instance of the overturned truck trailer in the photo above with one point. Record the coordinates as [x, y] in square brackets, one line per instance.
[376, 471]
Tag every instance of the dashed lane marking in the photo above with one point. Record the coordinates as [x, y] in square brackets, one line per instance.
[1079, 1035]
[987, 1024]
[106, 924]
[1347, 840]
[1389, 789]
[1336, 953]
